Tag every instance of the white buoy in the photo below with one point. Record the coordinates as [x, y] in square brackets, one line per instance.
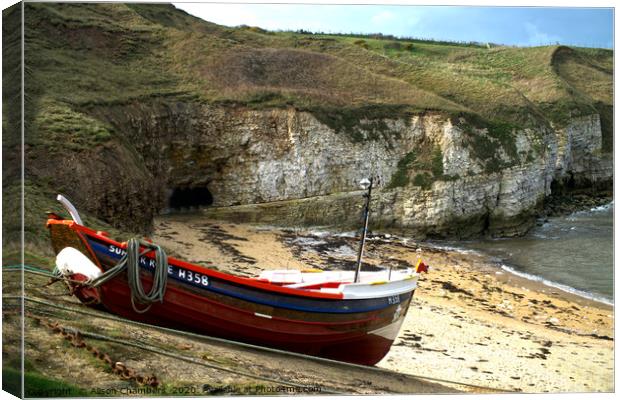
[70, 261]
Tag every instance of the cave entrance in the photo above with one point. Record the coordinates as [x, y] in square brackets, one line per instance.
[190, 197]
[563, 186]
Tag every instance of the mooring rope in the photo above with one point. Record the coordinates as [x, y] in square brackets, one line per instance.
[39, 271]
[131, 262]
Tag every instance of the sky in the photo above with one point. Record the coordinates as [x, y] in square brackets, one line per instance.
[519, 26]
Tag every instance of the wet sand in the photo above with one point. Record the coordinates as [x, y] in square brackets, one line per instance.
[469, 322]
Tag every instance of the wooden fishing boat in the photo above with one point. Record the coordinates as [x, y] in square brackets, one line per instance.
[333, 314]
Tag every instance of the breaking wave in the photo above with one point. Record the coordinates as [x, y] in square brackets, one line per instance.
[556, 285]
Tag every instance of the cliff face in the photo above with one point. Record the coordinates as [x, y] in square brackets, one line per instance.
[132, 109]
[578, 153]
[233, 156]
[502, 202]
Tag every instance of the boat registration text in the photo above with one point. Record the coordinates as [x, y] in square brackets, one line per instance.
[175, 272]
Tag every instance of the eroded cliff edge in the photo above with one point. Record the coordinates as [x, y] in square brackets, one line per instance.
[437, 175]
[134, 109]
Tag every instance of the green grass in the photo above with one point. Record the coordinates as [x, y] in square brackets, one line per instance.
[39, 198]
[485, 148]
[606, 112]
[427, 165]
[486, 137]
[62, 128]
[122, 53]
[562, 111]
[401, 176]
[11, 85]
[437, 161]
[37, 385]
[119, 53]
[424, 180]
[12, 381]
[362, 123]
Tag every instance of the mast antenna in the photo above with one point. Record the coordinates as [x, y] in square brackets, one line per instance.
[365, 184]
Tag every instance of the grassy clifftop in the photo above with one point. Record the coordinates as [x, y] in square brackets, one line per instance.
[82, 57]
[115, 53]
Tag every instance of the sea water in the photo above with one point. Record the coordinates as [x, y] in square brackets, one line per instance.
[573, 253]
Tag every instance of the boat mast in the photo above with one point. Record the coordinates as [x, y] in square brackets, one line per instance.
[365, 184]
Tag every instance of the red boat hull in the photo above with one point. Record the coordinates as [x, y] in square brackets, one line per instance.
[343, 341]
[325, 325]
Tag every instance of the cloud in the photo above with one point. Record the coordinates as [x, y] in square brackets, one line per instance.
[266, 16]
[382, 18]
[223, 14]
[401, 21]
[536, 37]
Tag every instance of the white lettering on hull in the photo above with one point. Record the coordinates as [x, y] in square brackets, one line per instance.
[195, 278]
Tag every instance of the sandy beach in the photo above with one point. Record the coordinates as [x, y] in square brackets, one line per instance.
[469, 321]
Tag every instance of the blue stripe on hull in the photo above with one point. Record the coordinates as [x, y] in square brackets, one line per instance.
[110, 255]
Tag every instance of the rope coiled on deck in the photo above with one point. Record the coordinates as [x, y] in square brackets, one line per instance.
[131, 262]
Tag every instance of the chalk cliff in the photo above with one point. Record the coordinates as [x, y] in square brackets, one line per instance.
[135, 109]
[280, 157]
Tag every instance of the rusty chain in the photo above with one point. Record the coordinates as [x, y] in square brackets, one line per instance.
[76, 340]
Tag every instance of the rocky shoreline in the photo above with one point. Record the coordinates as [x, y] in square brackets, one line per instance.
[468, 322]
[565, 203]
